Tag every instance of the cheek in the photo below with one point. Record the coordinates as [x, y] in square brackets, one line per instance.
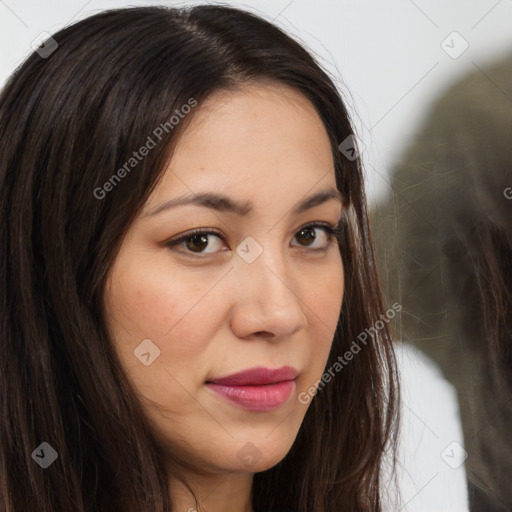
[168, 311]
[325, 307]
[174, 312]
[148, 301]
[324, 298]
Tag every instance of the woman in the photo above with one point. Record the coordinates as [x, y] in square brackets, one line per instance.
[152, 366]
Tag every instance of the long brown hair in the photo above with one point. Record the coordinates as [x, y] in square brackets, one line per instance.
[68, 122]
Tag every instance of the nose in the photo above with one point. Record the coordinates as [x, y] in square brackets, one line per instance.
[267, 301]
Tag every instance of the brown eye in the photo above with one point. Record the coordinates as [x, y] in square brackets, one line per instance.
[196, 242]
[307, 234]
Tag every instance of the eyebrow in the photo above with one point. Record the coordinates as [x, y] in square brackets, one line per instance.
[223, 203]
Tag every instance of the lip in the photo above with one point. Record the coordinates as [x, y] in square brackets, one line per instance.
[258, 389]
[257, 376]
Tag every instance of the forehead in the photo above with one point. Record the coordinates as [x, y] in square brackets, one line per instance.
[261, 139]
[270, 113]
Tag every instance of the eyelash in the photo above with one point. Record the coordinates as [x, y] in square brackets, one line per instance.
[333, 232]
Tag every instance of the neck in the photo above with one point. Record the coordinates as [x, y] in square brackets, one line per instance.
[214, 492]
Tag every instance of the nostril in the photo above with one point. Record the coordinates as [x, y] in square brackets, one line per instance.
[263, 333]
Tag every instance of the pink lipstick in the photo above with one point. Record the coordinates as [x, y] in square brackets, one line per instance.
[257, 389]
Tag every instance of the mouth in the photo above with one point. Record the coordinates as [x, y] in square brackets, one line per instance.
[258, 389]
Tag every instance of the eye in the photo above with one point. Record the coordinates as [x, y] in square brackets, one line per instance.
[196, 241]
[331, 233]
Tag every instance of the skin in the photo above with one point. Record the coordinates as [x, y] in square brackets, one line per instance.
[210, 313]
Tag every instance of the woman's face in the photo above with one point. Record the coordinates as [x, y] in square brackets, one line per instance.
[260, 293]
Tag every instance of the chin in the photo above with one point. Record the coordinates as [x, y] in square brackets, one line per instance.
[254, 457]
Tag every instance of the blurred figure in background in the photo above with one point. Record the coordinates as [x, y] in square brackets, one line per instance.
[444, 242]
